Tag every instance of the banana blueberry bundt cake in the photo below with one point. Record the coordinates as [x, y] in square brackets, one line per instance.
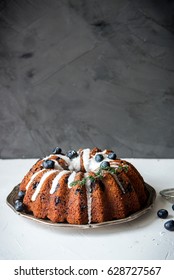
[82, 187]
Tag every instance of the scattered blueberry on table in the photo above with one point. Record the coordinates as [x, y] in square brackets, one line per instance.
[162, 213]
[169, 225]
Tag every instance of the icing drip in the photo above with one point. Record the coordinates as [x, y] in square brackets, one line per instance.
[113, 164]
[56, 181]
[71, 179]
[75, 163]
[119, 183]
[89, 197]
[86, 153]
[32, 178]
[57, 165]
[44, 177]
[65, 158]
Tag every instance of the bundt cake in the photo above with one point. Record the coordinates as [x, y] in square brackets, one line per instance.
[82, 187]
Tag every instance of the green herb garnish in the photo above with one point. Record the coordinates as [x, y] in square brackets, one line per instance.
[99, 174]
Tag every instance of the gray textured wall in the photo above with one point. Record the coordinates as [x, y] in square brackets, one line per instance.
[87, 73]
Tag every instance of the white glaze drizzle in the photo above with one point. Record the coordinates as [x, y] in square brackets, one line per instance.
[86, 154]
[114, 164]
[44, 177]
[32, 178]
[89, 197]
[75, 163]
[71, 179]
[57, 165]
[65, 158]
[56, 180]
[119, 183]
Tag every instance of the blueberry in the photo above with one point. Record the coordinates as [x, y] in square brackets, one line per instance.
[83, 207]
[173, 207]
[48, 164]
[80, 191]
[57, 150]
[21, 194]
[104, 165]
[169, 225]
[162, 213]
[112, 156]
[35, 185]
[19, 205]
[72, 154]
[98, 157]
[57, 200]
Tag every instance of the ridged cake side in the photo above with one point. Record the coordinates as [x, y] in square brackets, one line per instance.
[87, 186]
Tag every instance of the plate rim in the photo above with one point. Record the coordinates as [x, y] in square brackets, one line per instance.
[149, 205]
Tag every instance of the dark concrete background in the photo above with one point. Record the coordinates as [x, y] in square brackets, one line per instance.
[77, 73]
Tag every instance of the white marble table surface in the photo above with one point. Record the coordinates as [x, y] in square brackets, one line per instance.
[144, 238]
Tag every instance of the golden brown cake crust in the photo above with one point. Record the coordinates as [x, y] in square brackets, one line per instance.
[87, 186]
